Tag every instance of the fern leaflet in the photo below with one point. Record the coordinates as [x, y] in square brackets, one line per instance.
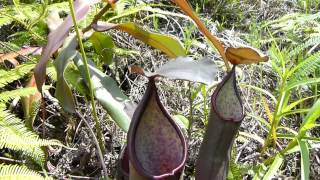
[23, 92]
[305, 68]
[19, 172]
[14, 135]
[15, 74]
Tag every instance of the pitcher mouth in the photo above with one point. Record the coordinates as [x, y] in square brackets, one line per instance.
[140, 111]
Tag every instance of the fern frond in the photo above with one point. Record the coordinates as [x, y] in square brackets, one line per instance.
[22, 92]
[9, 14]
[19, 172]
[14, 135]
[312, 41]
[15, 74]
[305, 67]
[236, 171]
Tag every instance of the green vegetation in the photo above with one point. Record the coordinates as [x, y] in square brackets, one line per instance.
[73, 75]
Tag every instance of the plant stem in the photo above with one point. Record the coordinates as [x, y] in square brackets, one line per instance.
[100, 155]
[191, 111]
[85, 62]
[96, 18]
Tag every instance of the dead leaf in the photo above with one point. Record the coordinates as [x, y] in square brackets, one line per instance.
[11, 56]
[185, 7]
[30, 104]
[244, 55]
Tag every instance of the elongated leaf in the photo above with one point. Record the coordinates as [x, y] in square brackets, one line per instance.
[277, 162]
[157, 148]
[63, 92]
[56, 38]
[292, 105]
[202, 71]
[182, 121]
[262, 91]
[169, 45]
[103, 44]
[252, 136]
[22, 92]
[107, 92]
[244, 56]
[302, 82]
[305, 160]
[311, 118]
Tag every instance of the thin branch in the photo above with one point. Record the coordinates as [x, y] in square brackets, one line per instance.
[96, 18]
[100, 155]
[99, 142]
[11, 160]
[88, 77]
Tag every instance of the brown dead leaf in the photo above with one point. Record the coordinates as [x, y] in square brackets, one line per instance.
[244, 55]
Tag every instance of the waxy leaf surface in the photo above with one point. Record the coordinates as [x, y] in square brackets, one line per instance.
[63, 92]
[107, 92]
[184, 68]
[103, 45]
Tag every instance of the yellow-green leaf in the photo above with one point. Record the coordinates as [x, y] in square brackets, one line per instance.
[167, 44]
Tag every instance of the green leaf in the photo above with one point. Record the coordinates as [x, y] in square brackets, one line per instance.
[277, 162]
[295, 111]
[290, 136]
[292, 105]
[311, 117]
[182, 121]
[302, 82]
[23, 92]
[305, 67]
[63, 92]
[75, 80]
[252, 136]
[19, 172]
[261, 120]
[107, 92]
[305, 160]
[15, 74]
[263, 91]
[169, 45]
[103, 45]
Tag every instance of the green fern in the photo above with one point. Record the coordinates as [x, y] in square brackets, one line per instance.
[305, 68]
[312, 41]
[18, 172]
[28, 12]
[14, 135]
[23, 92]
[236, 171]
[15, 74]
